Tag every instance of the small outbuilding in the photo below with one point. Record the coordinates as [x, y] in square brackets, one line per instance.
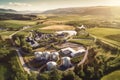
[55, 56]
[77, 53]
[66, 62]
[38, 55]
[67, 51]
[46, 55]
[51, 65]
[82, 27]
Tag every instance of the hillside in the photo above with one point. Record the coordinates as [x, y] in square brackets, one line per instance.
[96, 10]
[7, 10]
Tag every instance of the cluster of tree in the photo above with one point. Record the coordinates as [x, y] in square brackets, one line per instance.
[58, 75]
[8, 16]
[20, 41]
[4, 48]
[97, 65]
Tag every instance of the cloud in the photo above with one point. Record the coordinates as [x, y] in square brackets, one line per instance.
[2, 6]
[19, 4]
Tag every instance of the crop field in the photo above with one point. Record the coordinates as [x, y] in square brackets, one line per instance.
[58, 27]
[112, 76]
[110, 35]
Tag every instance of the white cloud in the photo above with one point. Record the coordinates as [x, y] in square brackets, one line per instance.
[2, 6]
[19, 4]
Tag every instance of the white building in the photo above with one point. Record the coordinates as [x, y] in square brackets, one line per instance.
[82, 27]
[66, 61]
[55, 56]
[46, 55]
[38, 55]
[42, 55]
[67, 51]
[70, 32]
[33, 44]
[77, 53]
[51, 65]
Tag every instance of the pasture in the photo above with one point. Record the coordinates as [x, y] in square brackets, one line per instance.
[20, 22]
[15, 24]
[112, 76]
[110, 35]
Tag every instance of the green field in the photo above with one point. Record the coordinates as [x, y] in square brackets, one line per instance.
[6, 34]
[110, 35]
[20, 22]
[15, 24]
[86, 42]
[112, 76]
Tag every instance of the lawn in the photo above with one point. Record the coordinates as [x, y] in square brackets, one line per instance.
[110, 35]
[112, 76]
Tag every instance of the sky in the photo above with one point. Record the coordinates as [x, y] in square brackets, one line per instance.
[42, 5]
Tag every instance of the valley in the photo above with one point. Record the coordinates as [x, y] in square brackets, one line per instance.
[65, 42]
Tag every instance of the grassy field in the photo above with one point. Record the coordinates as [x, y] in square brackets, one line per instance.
[112, 76]
[85, 42]
[20, 22]
[6, 34]
[15, 24]
[72, 17]
[110, 35]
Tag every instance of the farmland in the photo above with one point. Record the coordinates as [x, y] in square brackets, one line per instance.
[99, 63]
[110, 35]
[58, 27]
[15, 24]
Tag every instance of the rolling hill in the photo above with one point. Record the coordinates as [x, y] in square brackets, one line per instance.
[94, 10]
[7, 11]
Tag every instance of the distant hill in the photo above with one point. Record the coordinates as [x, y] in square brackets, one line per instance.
[7, 11]
[17, 12]
[95, 10]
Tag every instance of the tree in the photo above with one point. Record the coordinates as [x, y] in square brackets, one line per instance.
[32, 76]
[55, 75]
[70, 75]
[21, 76]
[43, 76]
[3, 52]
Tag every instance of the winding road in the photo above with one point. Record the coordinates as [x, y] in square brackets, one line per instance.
[82, 61]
